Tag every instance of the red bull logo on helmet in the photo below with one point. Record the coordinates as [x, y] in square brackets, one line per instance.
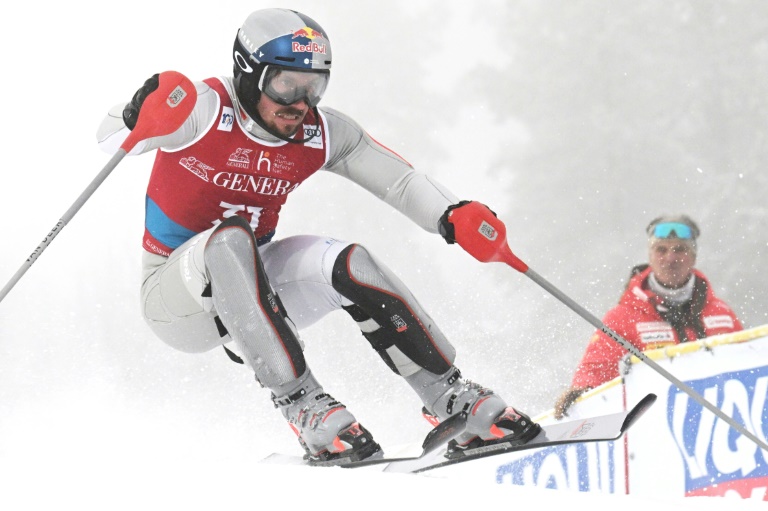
[311, 46]
[309, 33]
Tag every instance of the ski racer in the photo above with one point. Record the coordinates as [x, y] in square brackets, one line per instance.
[214, 272]
[666, 302]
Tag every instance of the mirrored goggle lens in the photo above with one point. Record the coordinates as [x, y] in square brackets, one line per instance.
[287, 87]
[673, 230]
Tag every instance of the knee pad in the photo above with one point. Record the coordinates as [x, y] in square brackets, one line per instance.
[402, 322]
[248, 307]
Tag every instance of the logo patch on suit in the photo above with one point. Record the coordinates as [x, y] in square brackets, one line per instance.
[399, 324]
[196, 167]
[723, 321]
[240, 158]
[653, 332]
[227, 119]
[316, 132]
[659, 336]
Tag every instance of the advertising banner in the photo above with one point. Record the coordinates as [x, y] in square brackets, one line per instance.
[702, 454]
[678, 447]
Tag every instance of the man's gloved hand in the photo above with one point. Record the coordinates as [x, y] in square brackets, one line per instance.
[565, 401]
[479, 232]
[131, 110]
[447, 227]
[475, 228]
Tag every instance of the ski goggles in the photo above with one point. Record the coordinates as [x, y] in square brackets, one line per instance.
[673, 230]
[286, 87]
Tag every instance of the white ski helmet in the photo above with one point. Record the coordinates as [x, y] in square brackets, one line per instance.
[275, 40]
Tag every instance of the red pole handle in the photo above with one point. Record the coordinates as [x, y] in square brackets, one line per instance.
[478, 231]
[164, 110]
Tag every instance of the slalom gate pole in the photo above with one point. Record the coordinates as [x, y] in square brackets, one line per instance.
[163, 112]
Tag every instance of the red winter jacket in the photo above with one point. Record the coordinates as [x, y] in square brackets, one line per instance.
[642, 318]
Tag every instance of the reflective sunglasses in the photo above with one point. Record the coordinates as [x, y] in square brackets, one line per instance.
[286, 87]
[673, 230]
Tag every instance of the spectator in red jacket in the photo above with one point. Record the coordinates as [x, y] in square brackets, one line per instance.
[666, 301]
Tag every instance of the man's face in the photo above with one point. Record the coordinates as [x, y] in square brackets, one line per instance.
[282, 119]
[672, 261]
[287, 95]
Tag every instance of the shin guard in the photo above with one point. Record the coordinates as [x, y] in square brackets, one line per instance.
[248, 307]
[397, 318]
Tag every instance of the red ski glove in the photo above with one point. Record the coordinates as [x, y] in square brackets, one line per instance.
[478, 231]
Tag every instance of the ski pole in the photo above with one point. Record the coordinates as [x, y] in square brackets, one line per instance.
[485, 238]
[162, 113]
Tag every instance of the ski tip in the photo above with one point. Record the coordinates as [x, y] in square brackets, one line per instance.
[638, 411]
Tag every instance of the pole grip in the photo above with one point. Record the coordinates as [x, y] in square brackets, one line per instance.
[165, 110]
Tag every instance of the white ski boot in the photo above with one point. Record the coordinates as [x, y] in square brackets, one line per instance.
[325, 428]
[489, 419]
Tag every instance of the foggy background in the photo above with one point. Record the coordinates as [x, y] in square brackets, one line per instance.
[577, 122]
